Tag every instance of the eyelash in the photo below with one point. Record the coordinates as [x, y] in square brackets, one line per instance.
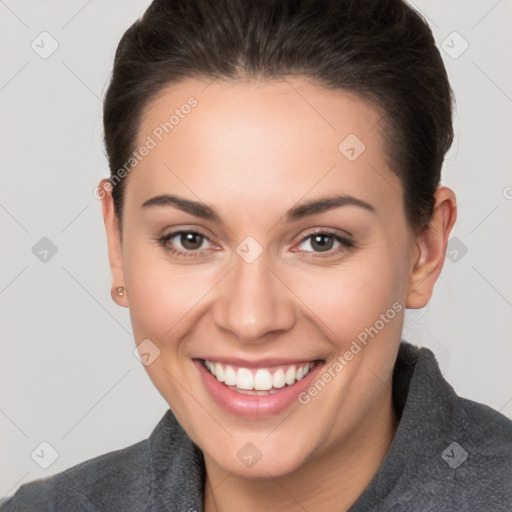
[346, 244]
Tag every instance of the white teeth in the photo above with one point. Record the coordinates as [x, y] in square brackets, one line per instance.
[289, 378]
[219, 372]
[229, 376]
[263, 381]
[278, 379]
[244, 379]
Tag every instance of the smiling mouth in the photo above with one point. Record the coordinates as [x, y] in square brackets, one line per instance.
[258, 381]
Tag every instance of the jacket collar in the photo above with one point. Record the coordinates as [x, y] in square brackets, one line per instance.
[177, 469]
[431, 418]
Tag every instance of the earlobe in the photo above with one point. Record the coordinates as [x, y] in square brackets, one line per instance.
[430, 251]
[117, 293]
[115, 252]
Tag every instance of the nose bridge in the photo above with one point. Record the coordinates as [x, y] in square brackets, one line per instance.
[253, 301]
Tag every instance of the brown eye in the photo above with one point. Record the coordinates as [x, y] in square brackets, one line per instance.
[324, 241]
[190, 242]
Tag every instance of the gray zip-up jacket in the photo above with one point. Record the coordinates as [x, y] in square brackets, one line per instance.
[449, 454]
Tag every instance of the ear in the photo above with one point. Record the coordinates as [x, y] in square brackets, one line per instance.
[430, 249]
[115, 250]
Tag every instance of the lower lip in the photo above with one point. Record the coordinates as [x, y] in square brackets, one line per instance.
[255, 406]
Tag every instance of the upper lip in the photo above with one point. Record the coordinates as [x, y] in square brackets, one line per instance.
[260, 363]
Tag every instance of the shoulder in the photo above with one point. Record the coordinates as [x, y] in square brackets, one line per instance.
[118, 480]
[482, 458]
[456, 453]
[489, 435]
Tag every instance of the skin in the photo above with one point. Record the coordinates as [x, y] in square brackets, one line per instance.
[252, 150]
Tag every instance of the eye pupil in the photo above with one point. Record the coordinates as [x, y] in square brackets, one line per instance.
[323, 246]
[187, 238]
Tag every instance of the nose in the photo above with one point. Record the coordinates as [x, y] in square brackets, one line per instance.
[253, 301]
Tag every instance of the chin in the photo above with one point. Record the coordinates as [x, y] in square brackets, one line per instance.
[258, 459]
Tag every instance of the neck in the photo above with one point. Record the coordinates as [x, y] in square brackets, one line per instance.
[330, 481]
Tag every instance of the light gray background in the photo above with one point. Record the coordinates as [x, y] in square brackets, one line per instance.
[68, 373]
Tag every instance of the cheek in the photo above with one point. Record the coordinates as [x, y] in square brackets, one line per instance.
[163, 298]
[352, 296]
[161, 293]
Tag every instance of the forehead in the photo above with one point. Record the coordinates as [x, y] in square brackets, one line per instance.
[292, 108]
[249, 138]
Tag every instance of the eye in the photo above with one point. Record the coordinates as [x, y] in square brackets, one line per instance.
[323, 242]
[191, 241]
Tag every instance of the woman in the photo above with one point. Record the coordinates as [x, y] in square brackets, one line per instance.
[274, 206]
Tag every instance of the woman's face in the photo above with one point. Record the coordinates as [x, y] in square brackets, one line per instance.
[259, 281]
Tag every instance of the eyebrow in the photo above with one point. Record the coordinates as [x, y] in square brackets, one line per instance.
[296, 213]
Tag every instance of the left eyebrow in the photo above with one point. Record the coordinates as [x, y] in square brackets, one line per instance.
[324, 204]
[298, 212]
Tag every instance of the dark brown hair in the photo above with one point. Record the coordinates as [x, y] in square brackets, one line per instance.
[382, 50]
